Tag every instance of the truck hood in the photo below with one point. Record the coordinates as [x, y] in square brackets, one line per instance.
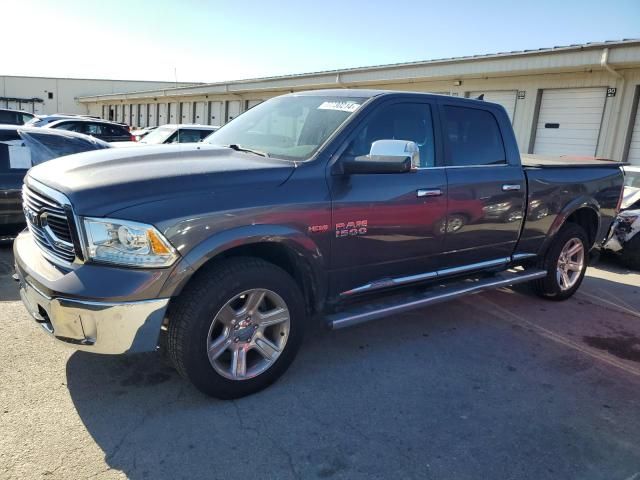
[101, 182]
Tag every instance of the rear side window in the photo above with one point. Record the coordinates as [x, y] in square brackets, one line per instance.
[8, 118]
[70, 126]
[473, 137]
[93, 129]
[114, 131]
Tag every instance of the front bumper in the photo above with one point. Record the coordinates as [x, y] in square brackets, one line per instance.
[110, 327]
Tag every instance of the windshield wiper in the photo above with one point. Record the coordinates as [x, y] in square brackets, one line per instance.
[238, 148]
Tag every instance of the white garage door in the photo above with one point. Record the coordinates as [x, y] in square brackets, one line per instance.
[152, 108]
[253, 103]
[215, 113]
[506, 98]
[173, 112]
[569, 121]
[233, 109]
[162, 114]
[634, 147]
[186, 113]
[142, 115]
[201, 112]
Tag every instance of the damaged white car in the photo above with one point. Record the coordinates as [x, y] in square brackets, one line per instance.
[625, 232]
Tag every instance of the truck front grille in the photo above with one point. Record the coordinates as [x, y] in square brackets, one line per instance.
[48, 222]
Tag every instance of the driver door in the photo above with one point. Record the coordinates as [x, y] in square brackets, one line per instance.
[390, 225]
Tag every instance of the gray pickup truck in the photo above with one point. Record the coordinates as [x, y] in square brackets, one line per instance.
[338, 206]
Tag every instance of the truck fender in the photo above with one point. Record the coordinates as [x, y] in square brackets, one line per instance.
[584, 201]
[304, 250]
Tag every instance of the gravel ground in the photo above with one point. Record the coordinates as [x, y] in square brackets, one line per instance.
[500, 385]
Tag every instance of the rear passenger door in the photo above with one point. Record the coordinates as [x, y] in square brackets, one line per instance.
[485, 183]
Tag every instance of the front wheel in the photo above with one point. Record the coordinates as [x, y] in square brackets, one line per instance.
[236, 328]
[565, 263]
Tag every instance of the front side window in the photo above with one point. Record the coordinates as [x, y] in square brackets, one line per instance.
[401, 121]
[290, 127]
[473, 137]
[186, 136]
[26, 117]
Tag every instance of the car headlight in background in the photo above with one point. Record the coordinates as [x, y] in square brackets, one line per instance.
[127, 243]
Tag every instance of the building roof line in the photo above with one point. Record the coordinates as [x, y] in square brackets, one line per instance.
[337, 72]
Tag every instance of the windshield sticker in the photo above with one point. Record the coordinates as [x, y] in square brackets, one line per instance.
[348, 106]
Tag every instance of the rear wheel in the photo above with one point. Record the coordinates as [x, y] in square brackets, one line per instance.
[565, 263]
[236, 328]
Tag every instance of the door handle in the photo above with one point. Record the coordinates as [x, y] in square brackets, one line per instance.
[429, 192]
[510, 188]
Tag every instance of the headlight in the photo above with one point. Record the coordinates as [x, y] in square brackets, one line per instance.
[127, 243]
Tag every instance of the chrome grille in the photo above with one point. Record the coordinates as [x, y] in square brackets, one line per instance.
[48, 222]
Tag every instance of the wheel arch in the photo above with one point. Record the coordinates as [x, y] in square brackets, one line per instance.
[583, 211]
[282, 246]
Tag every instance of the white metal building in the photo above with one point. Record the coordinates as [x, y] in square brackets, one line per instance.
[578, 99]
[43, 95]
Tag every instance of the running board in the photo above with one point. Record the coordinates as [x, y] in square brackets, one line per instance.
[432, 295]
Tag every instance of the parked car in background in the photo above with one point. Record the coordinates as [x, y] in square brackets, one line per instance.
[20, 149]
[42, 120]
[324, 205]
[142, 132]
[14, 117]
[171, 133]
[625, 234]
[102, 129]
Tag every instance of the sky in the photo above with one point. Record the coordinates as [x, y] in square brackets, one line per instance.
[210, 41]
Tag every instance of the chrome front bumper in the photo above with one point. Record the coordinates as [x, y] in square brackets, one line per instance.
[111, 328]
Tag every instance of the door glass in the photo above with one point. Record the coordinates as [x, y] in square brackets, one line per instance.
[93, 129]
[401, 121]
[473, 137]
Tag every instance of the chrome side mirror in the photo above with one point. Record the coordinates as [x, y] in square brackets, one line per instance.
[385, 156]
[395, 149]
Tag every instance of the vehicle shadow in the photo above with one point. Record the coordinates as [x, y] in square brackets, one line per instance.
[314, 422]
[388, 399]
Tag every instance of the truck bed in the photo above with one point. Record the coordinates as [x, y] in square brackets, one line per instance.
[547, 161]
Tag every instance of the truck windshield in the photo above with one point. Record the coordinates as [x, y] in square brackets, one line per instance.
[291, 127]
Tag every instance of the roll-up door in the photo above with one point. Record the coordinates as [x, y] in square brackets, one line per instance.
[215, 113]
[633, 157]
[233, 109]
[186, 116]
[163, 115]
[253, 103]
[506, 98]
[201, 113]
[142, 115]
[569, 121]
[152, 108]
[174, 112]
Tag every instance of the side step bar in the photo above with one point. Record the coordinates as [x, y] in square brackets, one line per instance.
[432, 295]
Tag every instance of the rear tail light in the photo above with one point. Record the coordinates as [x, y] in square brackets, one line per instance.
[134, 138]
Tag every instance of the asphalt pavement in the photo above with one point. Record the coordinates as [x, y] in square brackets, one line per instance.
[501, 385]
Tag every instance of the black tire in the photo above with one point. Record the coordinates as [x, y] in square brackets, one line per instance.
[548, 287]
[630, 255]
[191, 315]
